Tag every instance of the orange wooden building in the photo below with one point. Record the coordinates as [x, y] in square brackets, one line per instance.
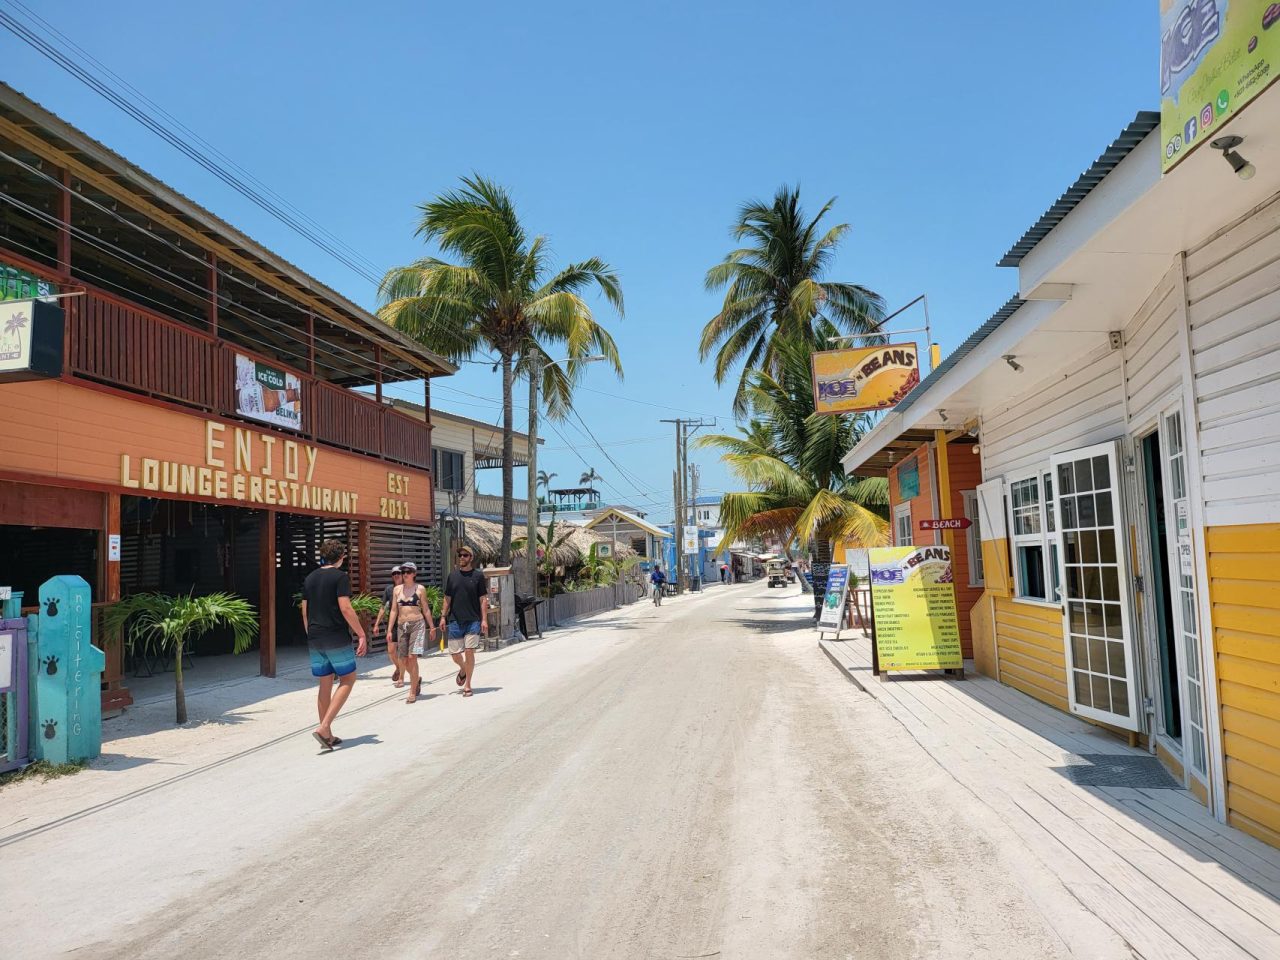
[203, 431]
[918, 493]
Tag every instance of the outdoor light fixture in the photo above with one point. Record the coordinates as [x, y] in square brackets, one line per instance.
[1243, 168]
[942, 415]
[1012, 361]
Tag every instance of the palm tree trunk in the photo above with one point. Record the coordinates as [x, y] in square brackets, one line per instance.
[179, 692]
[508, 455]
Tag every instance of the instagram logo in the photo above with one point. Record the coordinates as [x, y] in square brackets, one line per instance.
[1206, 116]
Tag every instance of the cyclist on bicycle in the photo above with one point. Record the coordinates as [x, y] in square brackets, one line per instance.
[657, 578]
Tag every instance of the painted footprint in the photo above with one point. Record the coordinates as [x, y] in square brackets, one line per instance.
[51, 664]
[51, 607]
[50, 729]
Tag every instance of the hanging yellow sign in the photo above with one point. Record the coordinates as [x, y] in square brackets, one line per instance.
[864, 378]
[913, 601]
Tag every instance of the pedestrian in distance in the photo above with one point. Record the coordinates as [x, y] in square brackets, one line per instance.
[384, 611]
[658, 579]
[410, 620]
[724, 573]
[330, 620]
[466, 613]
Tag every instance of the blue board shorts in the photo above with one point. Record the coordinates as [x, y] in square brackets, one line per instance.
[339, 661]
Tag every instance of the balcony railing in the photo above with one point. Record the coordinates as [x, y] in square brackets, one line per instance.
[113, 342]
[491, 504]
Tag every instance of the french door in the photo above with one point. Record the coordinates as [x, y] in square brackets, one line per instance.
[1184, 603]
[1093, 568]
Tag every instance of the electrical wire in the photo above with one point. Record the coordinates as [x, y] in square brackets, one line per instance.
[51, 52]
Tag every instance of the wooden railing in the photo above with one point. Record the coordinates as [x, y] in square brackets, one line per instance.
[116, 343]
[492, 504]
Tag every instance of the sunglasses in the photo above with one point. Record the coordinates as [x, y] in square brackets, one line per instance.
[465, 556]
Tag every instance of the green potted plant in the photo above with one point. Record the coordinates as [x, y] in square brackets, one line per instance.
[164, 623]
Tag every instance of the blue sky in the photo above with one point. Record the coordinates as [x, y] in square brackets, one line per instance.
[632, 132]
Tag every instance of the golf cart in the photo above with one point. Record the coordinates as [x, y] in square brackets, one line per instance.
[776, 571]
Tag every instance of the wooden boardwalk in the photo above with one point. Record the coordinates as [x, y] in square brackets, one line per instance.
[1147, 861]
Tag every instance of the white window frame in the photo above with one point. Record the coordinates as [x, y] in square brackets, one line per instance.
[901, 511]
[1045, 538]
[973, 538]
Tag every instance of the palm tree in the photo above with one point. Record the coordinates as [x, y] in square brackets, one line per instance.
[501, 296]
[589, 479]
[789, 458]
[774, 290]
[165, 624]
[544, 480]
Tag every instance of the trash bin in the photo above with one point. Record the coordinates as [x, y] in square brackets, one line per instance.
[695, 584]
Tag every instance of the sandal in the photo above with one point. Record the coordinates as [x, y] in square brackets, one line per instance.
[395, 677]
[399, 684]
[336, 741]
[411, 698]
[461, 678]
[325, 745]
[466, 693]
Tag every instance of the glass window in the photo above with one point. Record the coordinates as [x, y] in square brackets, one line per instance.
[902, 534]
[449, 467]
[973, 537]
[1033, 525]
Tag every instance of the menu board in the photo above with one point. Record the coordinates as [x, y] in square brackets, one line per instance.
[913, 600]
[832, 616]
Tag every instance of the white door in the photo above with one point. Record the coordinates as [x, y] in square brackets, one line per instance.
[1182, 583]
[1093, 570]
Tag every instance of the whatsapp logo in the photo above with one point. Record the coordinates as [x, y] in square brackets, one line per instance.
[1223, 100]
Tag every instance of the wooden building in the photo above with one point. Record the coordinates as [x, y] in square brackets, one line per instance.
[203, 431]
[1127, 406]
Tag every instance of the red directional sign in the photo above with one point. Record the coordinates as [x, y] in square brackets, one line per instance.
[957, 523]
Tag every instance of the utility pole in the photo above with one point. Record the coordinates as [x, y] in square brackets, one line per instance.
[680, 498]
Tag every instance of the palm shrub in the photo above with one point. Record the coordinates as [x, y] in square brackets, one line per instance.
[776, 291]
[501, 296]
[164, 623]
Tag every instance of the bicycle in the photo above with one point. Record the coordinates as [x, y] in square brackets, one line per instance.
[657, 594]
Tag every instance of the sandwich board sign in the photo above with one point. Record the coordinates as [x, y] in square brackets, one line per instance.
[913, 607]
[831, 619]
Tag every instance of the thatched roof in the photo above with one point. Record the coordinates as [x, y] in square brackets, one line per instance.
[486, 537]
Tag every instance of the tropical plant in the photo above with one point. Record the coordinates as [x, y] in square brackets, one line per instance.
[162, 623]
[789, 458]
[589, 478]
[501, 296]
[544, 480]
[775, 291]
[545, 546]
[366, 604]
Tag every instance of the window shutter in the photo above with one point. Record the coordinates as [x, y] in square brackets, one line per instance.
[995, 545]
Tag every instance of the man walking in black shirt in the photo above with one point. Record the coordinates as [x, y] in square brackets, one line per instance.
[330, 621]
[466, 610]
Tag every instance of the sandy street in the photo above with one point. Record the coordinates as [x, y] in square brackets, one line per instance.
[694, 781]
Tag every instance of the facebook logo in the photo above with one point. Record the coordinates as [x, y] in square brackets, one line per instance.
[1190, 130]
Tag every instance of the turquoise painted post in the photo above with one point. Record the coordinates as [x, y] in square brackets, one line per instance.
[68, 673]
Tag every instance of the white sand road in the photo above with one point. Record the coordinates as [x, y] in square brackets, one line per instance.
[694, 781]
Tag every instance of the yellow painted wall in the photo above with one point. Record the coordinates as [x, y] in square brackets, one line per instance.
[1031, 650]
[1244, 590]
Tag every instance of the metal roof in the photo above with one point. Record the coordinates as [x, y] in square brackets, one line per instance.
[959, 353]
[1121, 147]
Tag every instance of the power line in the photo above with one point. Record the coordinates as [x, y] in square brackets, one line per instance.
[51, 52]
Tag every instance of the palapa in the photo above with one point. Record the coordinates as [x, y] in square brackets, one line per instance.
[571, 541]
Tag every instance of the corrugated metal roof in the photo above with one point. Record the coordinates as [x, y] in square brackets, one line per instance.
[1121, 147]
[959, 353]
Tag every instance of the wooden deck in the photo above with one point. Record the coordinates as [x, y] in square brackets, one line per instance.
[1149, 863]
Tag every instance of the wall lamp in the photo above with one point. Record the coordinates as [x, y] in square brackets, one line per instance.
[1243, 168]
[1012, 361]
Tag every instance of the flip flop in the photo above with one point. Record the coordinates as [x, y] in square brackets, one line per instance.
[336, 741]
[325, 745]
[461, 678]
[466, 693]
[395, 677]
